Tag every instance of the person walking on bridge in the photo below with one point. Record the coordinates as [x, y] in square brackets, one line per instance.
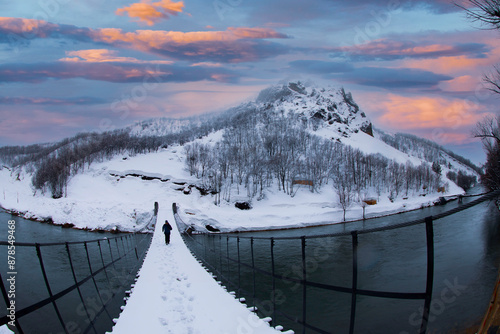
[166, 228]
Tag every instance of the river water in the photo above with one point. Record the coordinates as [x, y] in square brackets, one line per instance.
[467, 258]
[79, 305]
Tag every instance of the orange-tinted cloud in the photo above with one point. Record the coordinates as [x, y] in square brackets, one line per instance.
[440, 119]
[423, 112]
[105, 56]
[394, 49]
[465, 64]
[447, 64]
[231, 45]
[151, 13]
[159, 38]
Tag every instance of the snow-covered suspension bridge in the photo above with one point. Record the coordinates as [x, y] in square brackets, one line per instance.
[175, 294]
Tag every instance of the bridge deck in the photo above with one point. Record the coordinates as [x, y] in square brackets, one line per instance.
[174, 294]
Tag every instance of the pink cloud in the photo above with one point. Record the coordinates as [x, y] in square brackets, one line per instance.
[464, 83]
[441, 119]
[401, 48]
[105, 56]
[159, 38]
[152, 12]
[403, 112]
[233, 44]
[230, 45]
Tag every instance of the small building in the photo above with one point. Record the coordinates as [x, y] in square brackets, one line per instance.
[303, 182]
[370, 201]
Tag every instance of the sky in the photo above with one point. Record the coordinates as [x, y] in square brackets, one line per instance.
[76, 66]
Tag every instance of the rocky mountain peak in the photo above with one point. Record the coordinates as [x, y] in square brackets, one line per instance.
[317, 106]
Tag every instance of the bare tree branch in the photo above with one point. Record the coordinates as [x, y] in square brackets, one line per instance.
[488, 129]
[493, 80]
[483, 11]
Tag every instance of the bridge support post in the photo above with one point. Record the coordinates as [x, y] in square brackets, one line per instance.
[273, 269]
[354, 235]
[304, 286]
[429, 231]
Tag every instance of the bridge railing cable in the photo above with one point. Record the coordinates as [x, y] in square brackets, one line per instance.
[203, 247]
[128, 250]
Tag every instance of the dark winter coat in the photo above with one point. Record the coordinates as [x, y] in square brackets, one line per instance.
[166, 228]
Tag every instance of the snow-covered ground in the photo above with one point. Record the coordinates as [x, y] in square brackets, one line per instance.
[113, 195]
[174, 294]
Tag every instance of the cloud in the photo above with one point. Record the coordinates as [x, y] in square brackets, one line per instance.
[51, 101]
[105, 56]
[151, 13]
[321, 67]
[232, 45]
[239, 44]
[111, 72]
[464, 83]
[426, 112]
[390, 78]
[393, 78]
[455, 64]
[352, 12]
[21, 31]
[387, 49]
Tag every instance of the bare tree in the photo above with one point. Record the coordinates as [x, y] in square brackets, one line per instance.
[487, 12]
[493, 80]
[343, 184]
[483, 11]
[488, 130]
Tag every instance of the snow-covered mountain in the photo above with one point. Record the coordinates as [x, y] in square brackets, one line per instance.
[328, 112]
[317, 107]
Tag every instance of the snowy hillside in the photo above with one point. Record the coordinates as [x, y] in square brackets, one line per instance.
[159, 127]
[308, 149]
[427, 150]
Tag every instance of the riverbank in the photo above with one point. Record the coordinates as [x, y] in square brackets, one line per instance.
[118, 195]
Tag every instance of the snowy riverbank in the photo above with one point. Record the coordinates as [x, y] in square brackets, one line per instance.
[120, 194]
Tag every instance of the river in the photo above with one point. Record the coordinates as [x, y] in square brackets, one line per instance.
[111, 283]
[467, 258]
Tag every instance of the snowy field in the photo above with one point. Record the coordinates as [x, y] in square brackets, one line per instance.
[113, 195]
[103, 197]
